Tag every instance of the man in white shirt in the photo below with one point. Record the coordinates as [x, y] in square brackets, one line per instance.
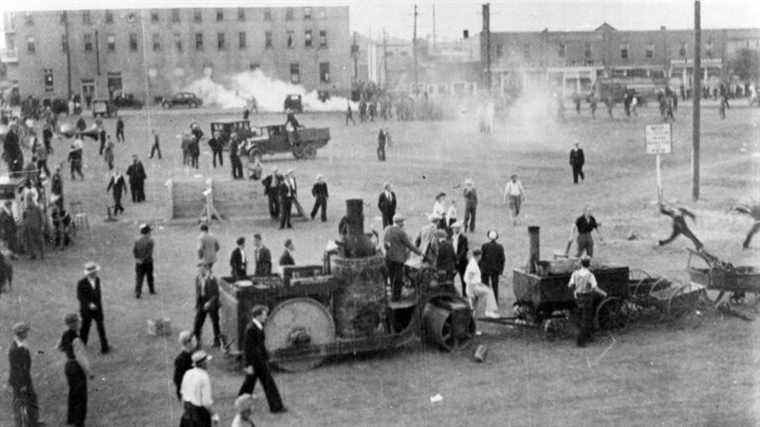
[585, 288]
[514, 196]
[477, 291]
[196, 393]
[439, 210]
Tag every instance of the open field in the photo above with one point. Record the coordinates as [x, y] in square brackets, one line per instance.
[702, 371]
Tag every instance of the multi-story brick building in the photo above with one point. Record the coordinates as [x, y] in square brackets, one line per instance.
[150, 53]
[573, 60]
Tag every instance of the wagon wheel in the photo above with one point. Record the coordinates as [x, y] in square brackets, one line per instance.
[612, 313]
[310, 152]
[439, 323]
[681, 303]
[299, 322]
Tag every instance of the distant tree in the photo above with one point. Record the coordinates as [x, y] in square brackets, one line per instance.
[746, 64]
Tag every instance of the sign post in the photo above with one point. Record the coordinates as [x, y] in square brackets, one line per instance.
[659, 141]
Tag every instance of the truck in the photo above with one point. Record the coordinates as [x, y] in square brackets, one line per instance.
[258, 141]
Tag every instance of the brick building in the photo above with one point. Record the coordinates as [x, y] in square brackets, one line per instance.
[152, 53]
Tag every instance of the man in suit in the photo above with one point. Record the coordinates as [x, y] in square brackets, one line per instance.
[577, 160]
[239, 261]
[287, 191]
[206, 303]
[208, 247]
[492, 262]
[257, 360]
[119, 130]
[216, 145]
[117, 186]
[262, 257]
[102, 138]
[397, 247]
[271, 188]
[143, 253]
[137, 176]
[459, 241]
[319, 191]
[20, 362]
[91, 305]
[287, 255]
[387, 204]
[237, 165]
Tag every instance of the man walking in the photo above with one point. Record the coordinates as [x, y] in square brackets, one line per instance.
[206, 303]
[117, 186]
[208, 247]
[387, 205]
[119, 129]
[514, 196]
[262, 257]
[584, 286]
[492, 262]
[581, 232]
[91, 306]
[319, 191]
[155, 148]
[256, 359]
[271, 188]
[25, 409]
[577, 159]
[287, 194]
[397, 247]
[239, 261]
[237, 165]
[470, 205]
[143, 253]
[137, 176]
[678, 215]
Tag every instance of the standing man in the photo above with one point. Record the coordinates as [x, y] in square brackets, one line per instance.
[75, 160]
[583, 284]
[119, 129]
[287, 255]
[184, 362]
[514, 196]
[678, 215]
[287, 192]
[581, 232]
[155, 148]
[319, 191]
[257, 360]
[77, 370]
[397, 247]
[459, 240]
[381, 141]
[56, 185]
[208, 247]
[577, 159]
[102, 137]
[137, 176]
[237, 165]
[33, 220]
[194, 146]
[262, 256]
[196, 394]
[91, 305]
[271, 188]
[239, 261]
[143, 253]
[470, 205]
[217, 147]
[117, 186]
[108, 156]
[206, 303]
[492, 262]
[25, 409]
[349, 114]
[387, 205]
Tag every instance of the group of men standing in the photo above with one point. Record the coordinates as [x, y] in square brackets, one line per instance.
[282, 190]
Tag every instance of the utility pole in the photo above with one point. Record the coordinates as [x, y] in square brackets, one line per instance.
[414, 51]
[433, 25]
[697, 77]
[487, 42]
[67, 46]
[355, 54]
[385, 60]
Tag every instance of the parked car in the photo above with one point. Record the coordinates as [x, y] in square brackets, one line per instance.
[103, 108]
[127, 101]
[293, 102]
[182, 98]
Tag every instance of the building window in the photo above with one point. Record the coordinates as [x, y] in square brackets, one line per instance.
[30, 46]
[587, 50]
[241, 14]
[289, 14]
[111, 42]
[48, 72]
[197, 15]
[267, 14]
[219, 15]
[324, 72]
[649, 53]
[526, 50]
[268, 39]
[307, 38]
[499, 50]
[220, 41]
[323, 38]
[682, 50]
[295, 73]
[154, 17]
[64, 44]
[175, 15]
[198, 41]
[307, 13]
[109, 17]
[156, 39]
[133, 42]
[242, 42]
[562, 50]
[86, 17]
[624, 50]
[291, 40]
[178, 42]
[87, 42]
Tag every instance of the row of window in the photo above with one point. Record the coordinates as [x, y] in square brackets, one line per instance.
[175, 15]
[649, 51]
[198, 41]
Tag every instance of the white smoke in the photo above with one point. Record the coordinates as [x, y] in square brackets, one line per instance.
[237, 90]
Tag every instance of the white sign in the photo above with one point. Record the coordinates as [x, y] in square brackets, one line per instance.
[659, 139]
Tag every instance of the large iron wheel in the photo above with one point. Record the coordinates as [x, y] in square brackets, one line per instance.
[299, 322]
[451, 331]
[611, 314]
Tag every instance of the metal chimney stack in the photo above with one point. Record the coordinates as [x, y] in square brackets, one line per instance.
[535, 255]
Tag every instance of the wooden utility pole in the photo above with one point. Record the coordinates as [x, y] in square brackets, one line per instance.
[433, 25]
[697, 77]
[385, 59]
[67, 46]
[487, 42]
[355, 54]
[414, 51]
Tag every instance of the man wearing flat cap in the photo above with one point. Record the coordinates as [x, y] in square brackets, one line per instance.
[143, 253]
[492, 262]
[206, 303]
[397, 247]
[20, 362]
[91, 305]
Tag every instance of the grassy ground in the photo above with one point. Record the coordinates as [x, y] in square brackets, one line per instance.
[700, 371]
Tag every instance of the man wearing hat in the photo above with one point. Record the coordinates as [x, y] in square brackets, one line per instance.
[460, 243]
[439, 211]
[117, 186]
[426, 241]
[287, 255]
[206, 303]
[217, 146]
[239, 261]
[397, 247]
[91, 305]
[387, 204]
[319, 191]
[20, 379]
[287, 192]
[262, 257]
[184, 362]
[577, 160]
[143, 253]
[256, 359]
[244, 408]
[585, 289]
[208, 247]
[196, 394]
[237, 165]
[514, 196]
[137, 176]
[492, 263]
[470, 205]
[271, 187]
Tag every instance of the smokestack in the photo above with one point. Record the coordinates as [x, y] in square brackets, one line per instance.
[534, 248]
[357, 244]
[466, 34]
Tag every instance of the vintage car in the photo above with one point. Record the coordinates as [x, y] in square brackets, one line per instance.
[271, 139]
[182, 98]
[103, 108]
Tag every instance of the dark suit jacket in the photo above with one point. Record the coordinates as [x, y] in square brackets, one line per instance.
[118, 185]
[211, 295]
[182, 364]
[387, 207]
[20, 362]
[286, 258]
[447, 258]
[263, 262]
[136, 172]
[576, 157]
[238, 264]
[271, 184]
[254, 350]
[285, 191]
[493, 258]
[460, 247]
[86, 295]
[319, 190]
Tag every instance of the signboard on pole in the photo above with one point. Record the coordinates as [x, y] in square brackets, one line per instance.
[659, 139]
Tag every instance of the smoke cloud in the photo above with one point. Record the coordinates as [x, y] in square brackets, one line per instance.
[237, 90]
